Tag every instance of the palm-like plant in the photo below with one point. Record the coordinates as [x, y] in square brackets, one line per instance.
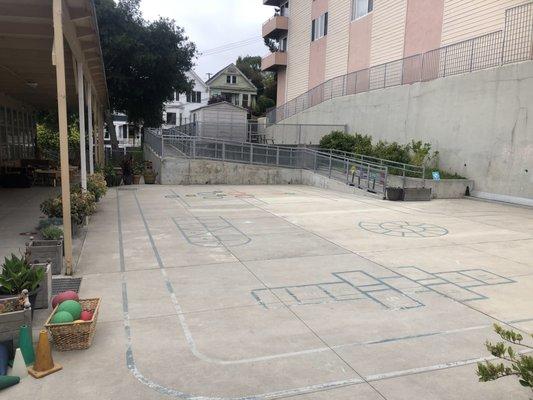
[18, 275]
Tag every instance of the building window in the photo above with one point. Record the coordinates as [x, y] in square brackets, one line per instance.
[231, 79]
[171, 118]
[181, 119]
[319, 27]
[282, 45]
[194, 97]
[360, 8]
[245, 100]
[284, 9]
[125, 131]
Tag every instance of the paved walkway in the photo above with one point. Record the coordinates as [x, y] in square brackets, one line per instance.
[262, 292]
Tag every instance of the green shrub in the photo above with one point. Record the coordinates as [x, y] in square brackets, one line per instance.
[516, 364]
[81, 206]
[338, 140]
[52, 233]
[96, 184]
[392, 152]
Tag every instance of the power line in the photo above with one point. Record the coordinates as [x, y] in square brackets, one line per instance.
[230, 46]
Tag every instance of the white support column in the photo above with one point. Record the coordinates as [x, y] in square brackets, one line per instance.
[81, 106]
[63, 130]
[90, 128]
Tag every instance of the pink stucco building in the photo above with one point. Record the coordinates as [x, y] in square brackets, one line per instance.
[321, 39]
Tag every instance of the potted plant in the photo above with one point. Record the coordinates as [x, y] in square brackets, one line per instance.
[138, 170]
[82, 204]
[112, 176]
[395, 193]
[15, 311]
[149, 174]
[96, 184]
[50, 248]
[17, 275]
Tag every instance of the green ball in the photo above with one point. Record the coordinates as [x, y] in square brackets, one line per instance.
[72, 307]
[62, 317]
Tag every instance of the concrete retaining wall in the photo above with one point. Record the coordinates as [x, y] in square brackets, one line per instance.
[184, 171]
[481, 123]
[443, 189]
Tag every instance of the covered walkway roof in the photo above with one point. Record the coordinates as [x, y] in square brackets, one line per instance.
[50, 58]
[27, 71]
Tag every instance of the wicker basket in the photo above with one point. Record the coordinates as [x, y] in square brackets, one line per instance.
[75, 336]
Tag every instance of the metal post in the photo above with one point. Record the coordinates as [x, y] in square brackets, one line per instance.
[445, 62]
[330, 165]
[251, 153]
[347, 166]
[424, 176]
[368, 176]
[472, 56]
[385, 77]
[277, 156]
[223, 150]
[193, 148]
[315, 166]
[162, 145]
[81, 111]
[403, 175]
[385, 183]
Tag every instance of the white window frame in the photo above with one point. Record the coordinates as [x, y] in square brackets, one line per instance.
[321, 27]
[369, 7]
[231, 79]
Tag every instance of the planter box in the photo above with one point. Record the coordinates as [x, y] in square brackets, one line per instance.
[41, 251]
[416, 194]
[44, 294]
[394, 194]
[10, 322]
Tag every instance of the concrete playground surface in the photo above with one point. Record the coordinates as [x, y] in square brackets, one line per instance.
[265, 292]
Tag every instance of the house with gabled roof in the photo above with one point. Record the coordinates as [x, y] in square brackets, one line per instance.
[232, 86]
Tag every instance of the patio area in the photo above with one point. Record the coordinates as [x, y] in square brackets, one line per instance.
[263, 292]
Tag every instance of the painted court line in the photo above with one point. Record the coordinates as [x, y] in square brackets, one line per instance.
[271, 395]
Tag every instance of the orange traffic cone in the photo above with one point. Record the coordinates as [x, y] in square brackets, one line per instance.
[44, 364]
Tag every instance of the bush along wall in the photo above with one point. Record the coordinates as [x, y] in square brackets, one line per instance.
[414, 153]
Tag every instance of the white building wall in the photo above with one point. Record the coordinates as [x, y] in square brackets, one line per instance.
[298, 48]
[180, 104]
[338, 38]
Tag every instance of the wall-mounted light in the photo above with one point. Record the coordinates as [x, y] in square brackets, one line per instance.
[32, 84]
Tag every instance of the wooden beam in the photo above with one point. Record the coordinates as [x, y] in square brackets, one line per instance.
[81, 113]
[83, 32]
[63, 131]
[24, 29]
[78, 13]
[43, 12]
[90, 128]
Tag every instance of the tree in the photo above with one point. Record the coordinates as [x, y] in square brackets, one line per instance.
[265, 82]
[145, 62]
[518, 365]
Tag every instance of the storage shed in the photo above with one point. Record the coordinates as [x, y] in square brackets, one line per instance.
[221, 121]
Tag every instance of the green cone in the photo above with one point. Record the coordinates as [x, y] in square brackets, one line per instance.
[26, 345]
[7, 381]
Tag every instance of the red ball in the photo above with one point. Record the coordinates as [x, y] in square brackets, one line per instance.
[61, 297]
[86, 315]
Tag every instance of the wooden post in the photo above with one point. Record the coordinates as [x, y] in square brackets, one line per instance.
[90, 128]
[81, 106]
[63, 130]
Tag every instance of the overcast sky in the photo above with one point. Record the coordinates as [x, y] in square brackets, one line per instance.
[214, 23]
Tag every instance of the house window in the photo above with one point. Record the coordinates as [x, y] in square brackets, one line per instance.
[245, 100]
[360, 8]
[181, 119]
[319, 27]
[171, 118]
[194, 97]
[231, 79]
[124, 131]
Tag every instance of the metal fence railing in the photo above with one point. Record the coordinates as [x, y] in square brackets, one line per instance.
[356, 172]
[258, 132]
[514, 43]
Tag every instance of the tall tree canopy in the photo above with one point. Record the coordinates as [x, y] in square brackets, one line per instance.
[145, 61]
[265, 82]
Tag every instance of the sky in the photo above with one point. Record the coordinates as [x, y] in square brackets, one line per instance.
[211, 24]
